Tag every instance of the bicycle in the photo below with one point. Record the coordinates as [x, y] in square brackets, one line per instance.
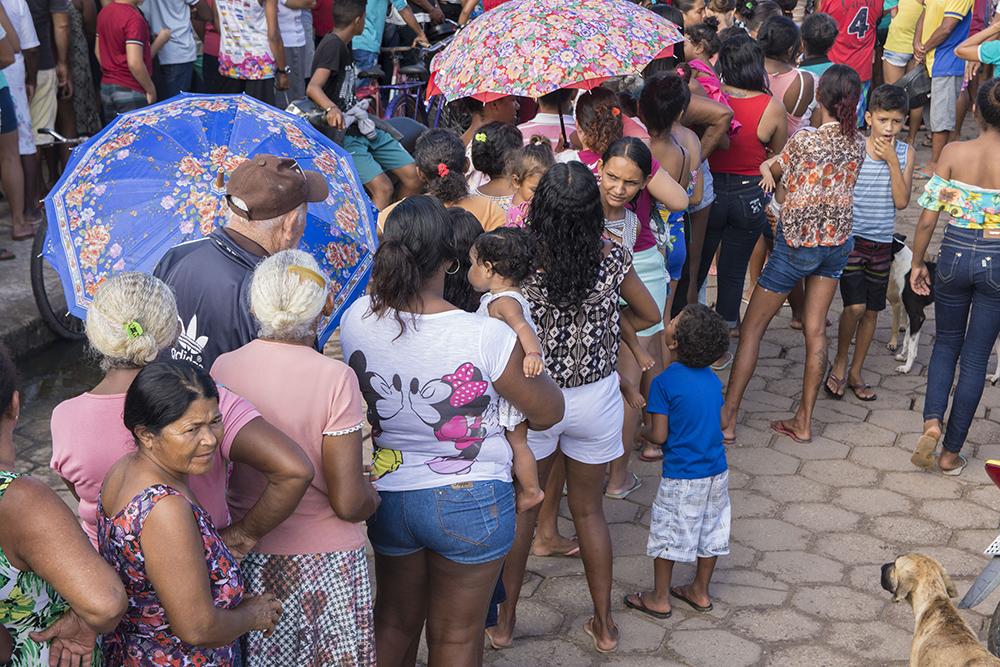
[45, 284]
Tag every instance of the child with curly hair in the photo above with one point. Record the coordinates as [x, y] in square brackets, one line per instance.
[501, 261]
[526, 167]
[492, 147]
[691, 516]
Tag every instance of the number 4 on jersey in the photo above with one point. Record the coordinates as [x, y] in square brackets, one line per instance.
[859, 24]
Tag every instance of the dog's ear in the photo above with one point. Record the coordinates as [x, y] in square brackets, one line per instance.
[903, 588]
[949, 585]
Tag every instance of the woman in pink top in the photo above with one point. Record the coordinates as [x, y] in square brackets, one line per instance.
[315, 559]
[132, 319]
[779, 38]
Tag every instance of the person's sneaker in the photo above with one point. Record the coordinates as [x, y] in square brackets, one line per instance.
[724, 362]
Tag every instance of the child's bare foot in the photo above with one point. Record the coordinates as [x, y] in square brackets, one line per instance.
[633, 396]
[528, 498]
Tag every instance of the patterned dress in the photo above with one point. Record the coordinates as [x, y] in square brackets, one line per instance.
[144, 638]
[969, 206]
[27, 603]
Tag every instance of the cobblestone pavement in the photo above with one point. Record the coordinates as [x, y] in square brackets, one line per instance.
[812, 523]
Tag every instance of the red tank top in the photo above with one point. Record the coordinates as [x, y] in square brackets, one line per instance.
[745, 152]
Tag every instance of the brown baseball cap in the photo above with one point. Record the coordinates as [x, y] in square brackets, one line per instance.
[266, 186]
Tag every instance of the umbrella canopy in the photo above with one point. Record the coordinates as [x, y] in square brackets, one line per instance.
[156, 177]
[533, 47]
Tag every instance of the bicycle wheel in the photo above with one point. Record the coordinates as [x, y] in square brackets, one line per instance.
[435, 110]
[49, 295]
[402, 105]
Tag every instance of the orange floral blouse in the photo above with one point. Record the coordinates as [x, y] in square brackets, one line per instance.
[820, 171]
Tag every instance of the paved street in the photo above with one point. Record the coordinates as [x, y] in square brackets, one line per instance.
[812, 524]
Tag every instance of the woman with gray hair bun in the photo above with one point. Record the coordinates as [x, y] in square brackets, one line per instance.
[131, 321]
[315, 560]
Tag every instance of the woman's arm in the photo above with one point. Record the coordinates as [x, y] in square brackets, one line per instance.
[714, 117]
[352, 496]
[642, 310]
[288, 471]
[161, 40]
[667, 191]
[508, 310]
[920, 277]
[773, 128]
[43, 535]
[969, 49]
[275, 43]
[175, 565]
[538, 398]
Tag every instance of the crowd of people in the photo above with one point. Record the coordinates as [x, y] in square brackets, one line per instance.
[536, 316]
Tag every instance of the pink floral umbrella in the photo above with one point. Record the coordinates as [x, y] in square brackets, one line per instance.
[533, 47]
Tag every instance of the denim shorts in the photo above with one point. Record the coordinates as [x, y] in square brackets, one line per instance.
[466, 522]
[897, 59]
[787, 265]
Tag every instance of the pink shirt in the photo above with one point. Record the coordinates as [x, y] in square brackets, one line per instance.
[547, 125]
[307, 395]
[88, 437]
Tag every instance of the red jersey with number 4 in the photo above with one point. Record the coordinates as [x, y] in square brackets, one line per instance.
[856, 22]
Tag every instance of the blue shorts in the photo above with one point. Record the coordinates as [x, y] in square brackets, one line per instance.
[374, 156]
[787, 266]
[8, 113]
[897, 59]
[467, 522]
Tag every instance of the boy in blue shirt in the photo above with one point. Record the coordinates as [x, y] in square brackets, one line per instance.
[690, 516]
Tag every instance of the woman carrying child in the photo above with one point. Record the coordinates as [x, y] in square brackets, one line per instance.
[812, 242]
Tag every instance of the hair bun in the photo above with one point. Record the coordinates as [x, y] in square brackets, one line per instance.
[711, 22]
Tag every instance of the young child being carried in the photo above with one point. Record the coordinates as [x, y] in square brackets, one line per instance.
[883, 188]
[690, 514]
[501, 260]
[526, 167]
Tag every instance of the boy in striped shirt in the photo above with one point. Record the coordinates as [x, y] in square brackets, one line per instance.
[883, 187]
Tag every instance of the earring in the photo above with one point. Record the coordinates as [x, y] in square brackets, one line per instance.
[455, 267]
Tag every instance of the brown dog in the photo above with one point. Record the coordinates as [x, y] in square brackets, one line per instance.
[940, 636]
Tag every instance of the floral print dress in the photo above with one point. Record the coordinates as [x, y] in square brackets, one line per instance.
[969, 206]
[144, 638]
[27, 603]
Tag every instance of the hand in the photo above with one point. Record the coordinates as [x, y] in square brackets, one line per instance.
[30, 88]
[421, 40]
[335, 118]
[240, 543]
[437, 16]
[767, 183]
[65, 84]
[533, 365]
[151, 97]
[376, 498]
[971, 70]
[265, 611]
[919, 52]
[281, 81]
[920, 279]
[72, 641]
[885, 149]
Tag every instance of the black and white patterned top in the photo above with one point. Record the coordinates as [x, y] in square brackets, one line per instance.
[580, 342]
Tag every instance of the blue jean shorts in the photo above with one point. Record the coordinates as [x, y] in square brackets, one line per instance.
[897, 59]
[787, 265]
[467, 522]
[690, 518]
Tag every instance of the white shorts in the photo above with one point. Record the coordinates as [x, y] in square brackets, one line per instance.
[591, 429]
[18, 92]
[690, 519]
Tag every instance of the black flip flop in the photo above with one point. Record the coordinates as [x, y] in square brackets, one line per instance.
[642, 608]
[6, 255]
[837, 381]
[694, 605]
[856, 387]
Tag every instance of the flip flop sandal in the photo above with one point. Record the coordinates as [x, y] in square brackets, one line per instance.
[840, 386]
[863, 387]
[642, 608]
[494, 645]
[622, 495]
[955, 472]
[780, 428]
[694, 605]
[590, 633]
[724, 362]
[650, 459]
[923, 455]
[571, 553]
[6, 255]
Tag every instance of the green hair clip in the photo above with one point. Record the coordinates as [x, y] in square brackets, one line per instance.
[133, 329]
[481, 137]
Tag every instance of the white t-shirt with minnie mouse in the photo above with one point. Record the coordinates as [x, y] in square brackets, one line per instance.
[430, 395]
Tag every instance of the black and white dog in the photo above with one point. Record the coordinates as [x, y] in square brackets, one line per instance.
[903, 298]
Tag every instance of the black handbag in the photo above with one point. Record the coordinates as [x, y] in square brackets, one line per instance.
[917, 85]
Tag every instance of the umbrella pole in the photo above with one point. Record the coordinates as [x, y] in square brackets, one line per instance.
[562, 126]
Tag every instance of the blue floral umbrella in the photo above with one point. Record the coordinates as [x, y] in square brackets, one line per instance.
[156, 177]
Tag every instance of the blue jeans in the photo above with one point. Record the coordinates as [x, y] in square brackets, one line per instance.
[174, 79]
[466, 522]
[735, 221]
[364, 60]
[118, 100]
[967, 320]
